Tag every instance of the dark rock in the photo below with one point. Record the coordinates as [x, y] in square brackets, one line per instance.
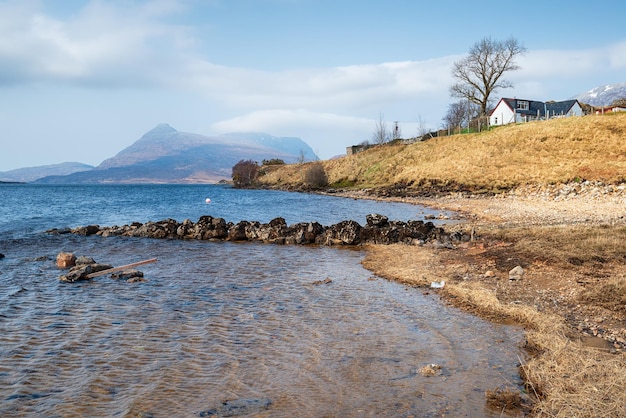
[237, 232]
[378, 230]
[313, 230]
[1, 256]
[77, 273]
[343, 233]
[207, 228]
[183, 229]
[127, 274]
[82, 260]
[59, 231]
[377, 220]
[86, 230]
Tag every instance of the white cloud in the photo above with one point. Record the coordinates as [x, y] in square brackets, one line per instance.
[328, 134]
[100, 44]
[617, 56]
[348, 89]
[286, 120]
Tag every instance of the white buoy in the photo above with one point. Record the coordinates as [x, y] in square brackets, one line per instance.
[207, 201]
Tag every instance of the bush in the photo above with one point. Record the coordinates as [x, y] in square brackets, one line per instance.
[315, 176]
[274, 161]
[245, 173]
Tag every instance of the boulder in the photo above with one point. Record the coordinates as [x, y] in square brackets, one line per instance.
[237, 232]
[343, 233]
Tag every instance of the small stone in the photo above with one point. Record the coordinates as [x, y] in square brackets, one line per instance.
[516, 273]
[327, 280]
[65, 260]
[489, 273]
[127, 274]
[430, 370]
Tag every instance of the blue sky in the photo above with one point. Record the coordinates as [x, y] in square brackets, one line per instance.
[80, 80]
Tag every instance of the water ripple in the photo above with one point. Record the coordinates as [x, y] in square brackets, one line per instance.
[222, 325]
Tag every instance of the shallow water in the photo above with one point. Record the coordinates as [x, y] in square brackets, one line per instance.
[245, 324]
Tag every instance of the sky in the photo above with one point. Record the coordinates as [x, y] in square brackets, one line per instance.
[80, 80]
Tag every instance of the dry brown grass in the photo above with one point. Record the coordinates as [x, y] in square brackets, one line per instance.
[555, 151]
[567, 244]
[563, 377]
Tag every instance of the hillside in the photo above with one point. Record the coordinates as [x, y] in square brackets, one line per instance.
[603, 95]
[545, 152]
[27, 174]
[165, 155]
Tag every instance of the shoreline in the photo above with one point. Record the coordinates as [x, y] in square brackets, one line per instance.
[569, 326]
[527, 210]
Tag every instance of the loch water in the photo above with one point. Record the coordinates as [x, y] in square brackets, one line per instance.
[221, 328]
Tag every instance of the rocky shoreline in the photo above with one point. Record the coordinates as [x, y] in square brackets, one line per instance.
[377, 230]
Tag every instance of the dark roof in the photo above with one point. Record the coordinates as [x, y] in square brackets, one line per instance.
[539, 108]
[559, 108]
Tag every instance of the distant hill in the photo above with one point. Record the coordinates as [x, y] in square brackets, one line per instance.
[603, 95]
[165, 155]
[28, 174]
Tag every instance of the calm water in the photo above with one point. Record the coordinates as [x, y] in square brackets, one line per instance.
[239, 323]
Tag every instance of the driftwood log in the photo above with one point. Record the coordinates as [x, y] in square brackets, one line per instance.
[120, 268]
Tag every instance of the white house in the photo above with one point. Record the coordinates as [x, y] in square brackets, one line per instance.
[519, 110]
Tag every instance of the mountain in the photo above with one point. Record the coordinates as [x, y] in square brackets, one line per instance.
[28, 174]
[603, 95]
[165, 155]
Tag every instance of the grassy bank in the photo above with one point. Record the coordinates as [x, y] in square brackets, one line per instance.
[555, 151]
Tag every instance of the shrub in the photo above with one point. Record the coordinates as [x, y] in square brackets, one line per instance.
[273, 161]
[315, 176]
[245, 173]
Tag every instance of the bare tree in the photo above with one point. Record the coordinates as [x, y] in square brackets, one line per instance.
[459, 114]
[381, 134]
[422, 130]
[479, 74]
[301, 157]
[245, 173]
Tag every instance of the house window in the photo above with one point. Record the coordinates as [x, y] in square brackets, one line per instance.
[522, 105]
